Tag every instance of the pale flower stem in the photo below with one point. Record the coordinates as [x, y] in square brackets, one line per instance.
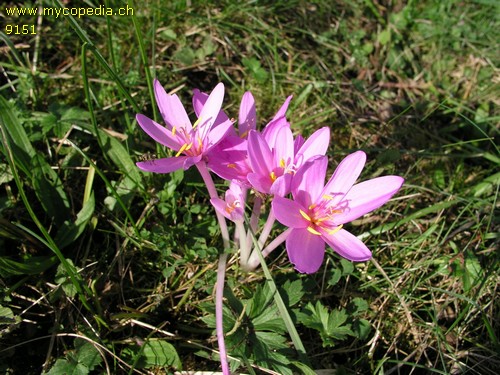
[262, 238]
[254, 220]
[205, 174]
[254, 260]
[244, 249]
[219, 314]
[221, 271]
[267, 229]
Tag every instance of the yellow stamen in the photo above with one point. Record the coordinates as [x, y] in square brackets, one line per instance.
[327, 197]
[229, 209]
[273, 176]
[189, 146]
[321, 219]
[335, 230]
[305, 216]
[313, 231]
[174, 129]
[312, 206]
[244, 134]
[182, 149]
[196, 122]
[282, 163]
[200, 143]
[231, 165]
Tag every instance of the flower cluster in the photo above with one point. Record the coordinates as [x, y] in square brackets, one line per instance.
[290, 171]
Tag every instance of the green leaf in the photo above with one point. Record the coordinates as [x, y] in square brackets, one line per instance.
[62, 278]
[132, 180]
[7, 318]
[335, 277]
[487, 186]
[49, 190]
[294, 291]
[336, 327]
[260, 301]
[121, 158]
[70, 231]
[331, 326]
[384, 37]
[159, 353]
[358, 305]
[5, 174]
[18, 140]
[87, 354]
[253, 65]
[185, 55]
[30, 266]
[361, 328]
[168, 34]
[306, 370]
[347, 267]
[439, 178]
[67, 367]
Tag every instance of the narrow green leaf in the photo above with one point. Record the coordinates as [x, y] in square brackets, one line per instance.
[19, 143]
[31, 266]
[70, 231]
[49, 190]
[121, 158]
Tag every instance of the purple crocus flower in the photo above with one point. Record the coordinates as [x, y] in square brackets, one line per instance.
[229, 158]
[192, 142]
[317, 213]
[233, 206]
[275, 160]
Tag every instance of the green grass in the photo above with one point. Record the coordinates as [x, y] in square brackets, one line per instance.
[105, 269]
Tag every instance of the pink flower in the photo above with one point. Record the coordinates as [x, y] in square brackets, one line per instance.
[233, 206]
[317, 213]
[275, 157]
[229, 158]
[191, 142]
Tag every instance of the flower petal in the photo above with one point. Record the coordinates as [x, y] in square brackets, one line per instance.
[220, 206]
[166, 165]
[348, 246]
[259, 182]
[316, 144]
[308, 182]
[297, 143]
[345, 176]
[368, 196]
[281, 186]
[159, 133]
[282, 111]
[259, 154]
[287, 212]
[247, 119]
[305, 250]
[217, 134]
[283, 150]
[212, 106]
[199, 100]
[270, 132]
[171, 108]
